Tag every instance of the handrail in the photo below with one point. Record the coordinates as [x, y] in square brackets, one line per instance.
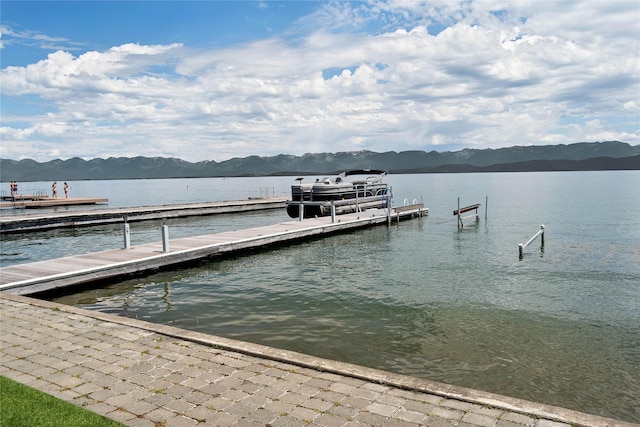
[521, 246]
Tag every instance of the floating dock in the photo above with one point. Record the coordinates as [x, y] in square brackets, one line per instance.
[32, 202]
[39, 222]
[49, 275]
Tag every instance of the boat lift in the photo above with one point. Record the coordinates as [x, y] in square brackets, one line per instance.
[470, 208]
[466, 209]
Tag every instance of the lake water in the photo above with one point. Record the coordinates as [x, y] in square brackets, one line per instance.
[561, 326]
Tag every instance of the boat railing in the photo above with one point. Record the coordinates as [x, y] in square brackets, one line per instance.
[341, 202]
[340, 206]
[267, 192]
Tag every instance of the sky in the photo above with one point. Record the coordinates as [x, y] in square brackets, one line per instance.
[214, 80]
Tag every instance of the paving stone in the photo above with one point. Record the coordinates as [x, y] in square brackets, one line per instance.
[479, 420]
[88, 388]
[233, 394]
[330, 396]
[447, 413]
[434, 421]
[218, 403]
[256, 401]
[368, 418]
[490, 412]
[410, 416]
[100, 408]
[355, 402]
[550, 423]
[196, 397]
[365, 394]
[287, 421]
[222, 419]
[159, 399]
[140, 422]
[328, 420]
[317, 404]
[121, 416]
[382, 409]
[249, 388]
[201, 414]
[101, 394]
[345, 412]
[418, 406]
[279, 407]
[505, 423]
[179, 406]
[519, 418]
[304, 414]
[294, 398]
[392, 400]
[457, 404]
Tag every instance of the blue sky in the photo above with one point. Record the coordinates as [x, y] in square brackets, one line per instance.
[212, 80]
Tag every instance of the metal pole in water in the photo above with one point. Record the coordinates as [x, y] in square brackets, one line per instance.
[165, 238]
[459, 221]
[542, 236]
[486, 206]
[520, 250]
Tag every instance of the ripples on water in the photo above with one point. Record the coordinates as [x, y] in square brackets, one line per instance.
[561, 326]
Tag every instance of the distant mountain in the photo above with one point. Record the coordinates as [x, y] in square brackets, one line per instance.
[611, 155]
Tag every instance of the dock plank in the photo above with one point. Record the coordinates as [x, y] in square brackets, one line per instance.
[47, 275]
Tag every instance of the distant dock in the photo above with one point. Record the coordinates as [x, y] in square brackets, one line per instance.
[36, 277]
[40, 222]
[34, 202]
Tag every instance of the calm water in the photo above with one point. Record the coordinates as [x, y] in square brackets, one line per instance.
[561, 326]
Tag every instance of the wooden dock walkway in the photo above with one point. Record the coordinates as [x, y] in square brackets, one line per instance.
[31, 278]
[45, 221]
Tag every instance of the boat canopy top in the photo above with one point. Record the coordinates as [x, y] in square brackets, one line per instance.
[364, 172]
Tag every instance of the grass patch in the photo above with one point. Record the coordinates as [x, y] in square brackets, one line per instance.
[22, 406]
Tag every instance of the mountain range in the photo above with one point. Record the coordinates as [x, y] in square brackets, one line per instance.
[609, 155]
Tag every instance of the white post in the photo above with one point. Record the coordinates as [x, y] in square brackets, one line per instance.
[486, 206]
[301, 211]
[520, 250]
[165, 238]
[127, 237]
[333, 212]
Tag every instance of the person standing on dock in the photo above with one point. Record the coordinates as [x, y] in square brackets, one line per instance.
[66, 190]
[54, 190]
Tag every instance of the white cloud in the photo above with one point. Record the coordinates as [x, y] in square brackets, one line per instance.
[499, 74]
